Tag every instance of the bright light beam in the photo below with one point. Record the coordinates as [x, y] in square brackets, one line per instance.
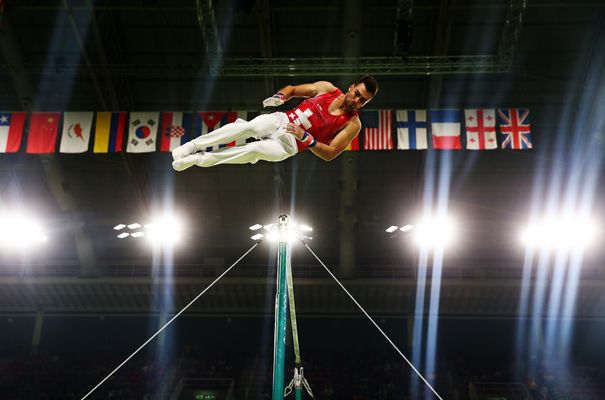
[20, 231]
[568, 233]
[437, 232]
[167, 229]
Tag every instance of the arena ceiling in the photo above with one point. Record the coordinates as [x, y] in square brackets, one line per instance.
[146, 55]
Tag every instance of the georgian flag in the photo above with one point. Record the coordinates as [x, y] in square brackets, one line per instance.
[411, 129]
[480, 129]
[142, 132]
[76, 132]
[445, 126]
[11, 131]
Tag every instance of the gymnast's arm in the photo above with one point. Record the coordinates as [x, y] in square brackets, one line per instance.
[328, 152]
[306, 89]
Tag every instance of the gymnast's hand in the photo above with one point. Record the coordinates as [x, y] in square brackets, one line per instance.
[295, 130]
[274, 101]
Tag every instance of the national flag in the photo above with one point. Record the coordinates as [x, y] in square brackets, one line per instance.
[515, 129]
[206, 122]
[377, 130]
[445, 126]
[176, 129]
[142, 132]
[43, 129]
[354, 145]
[109, 132]
[411, 129]
[76, 132]
[480, 129]
[11, 131]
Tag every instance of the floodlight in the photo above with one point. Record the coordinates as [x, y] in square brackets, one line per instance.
[566, 232]
[258, 236]
[134, 225]
[269, 227]
[166, 229]
[391, 229]
[119, 227]
[435, 232]
[19, 231]
[123, 235]
[406, 228]
[137, 234]
[255, 227]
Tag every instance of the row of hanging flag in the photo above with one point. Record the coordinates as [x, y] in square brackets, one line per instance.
[484, 129]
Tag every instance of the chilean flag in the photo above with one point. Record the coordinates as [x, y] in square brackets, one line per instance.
[176, 129]
[446, 129]
[11, 131]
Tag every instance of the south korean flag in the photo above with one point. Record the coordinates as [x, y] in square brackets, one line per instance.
[142, 132]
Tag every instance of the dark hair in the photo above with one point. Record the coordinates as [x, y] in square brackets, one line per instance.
[370, 83]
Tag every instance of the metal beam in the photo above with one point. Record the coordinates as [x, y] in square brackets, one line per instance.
[207, 22]
[321, 66]
[316, 66]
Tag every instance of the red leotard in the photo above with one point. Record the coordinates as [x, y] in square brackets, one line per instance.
[313, 116]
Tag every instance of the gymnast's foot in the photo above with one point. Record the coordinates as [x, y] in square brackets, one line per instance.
[181, 164]
[184, 150]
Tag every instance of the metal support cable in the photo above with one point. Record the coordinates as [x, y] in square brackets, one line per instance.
[292, 308]
[374, 323]
[171, 320]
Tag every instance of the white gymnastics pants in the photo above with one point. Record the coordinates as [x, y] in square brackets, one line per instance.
[275, 144]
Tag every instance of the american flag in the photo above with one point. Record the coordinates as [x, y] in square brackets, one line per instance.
[515, 128]
[378, 127]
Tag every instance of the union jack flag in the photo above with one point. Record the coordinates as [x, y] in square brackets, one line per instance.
[515, 129]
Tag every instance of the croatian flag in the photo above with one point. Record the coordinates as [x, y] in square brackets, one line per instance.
[143, 132]
[377, 129]
[515, 129]
[411, 129]
[445, 126]
[11, 131]
[176, 130]
[480, 129]
[206, 122]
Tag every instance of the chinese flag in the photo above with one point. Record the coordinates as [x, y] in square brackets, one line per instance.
[43, 128]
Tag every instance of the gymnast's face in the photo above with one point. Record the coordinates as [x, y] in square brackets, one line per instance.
[356, 97]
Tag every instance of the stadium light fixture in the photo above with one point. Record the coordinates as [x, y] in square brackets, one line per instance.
[434, 232]
[19, 230]
[271, 232]
[565, 232]
[166, 229]
[391, 229]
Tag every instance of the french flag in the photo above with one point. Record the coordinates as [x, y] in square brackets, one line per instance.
[11, 131]
[445, 126]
